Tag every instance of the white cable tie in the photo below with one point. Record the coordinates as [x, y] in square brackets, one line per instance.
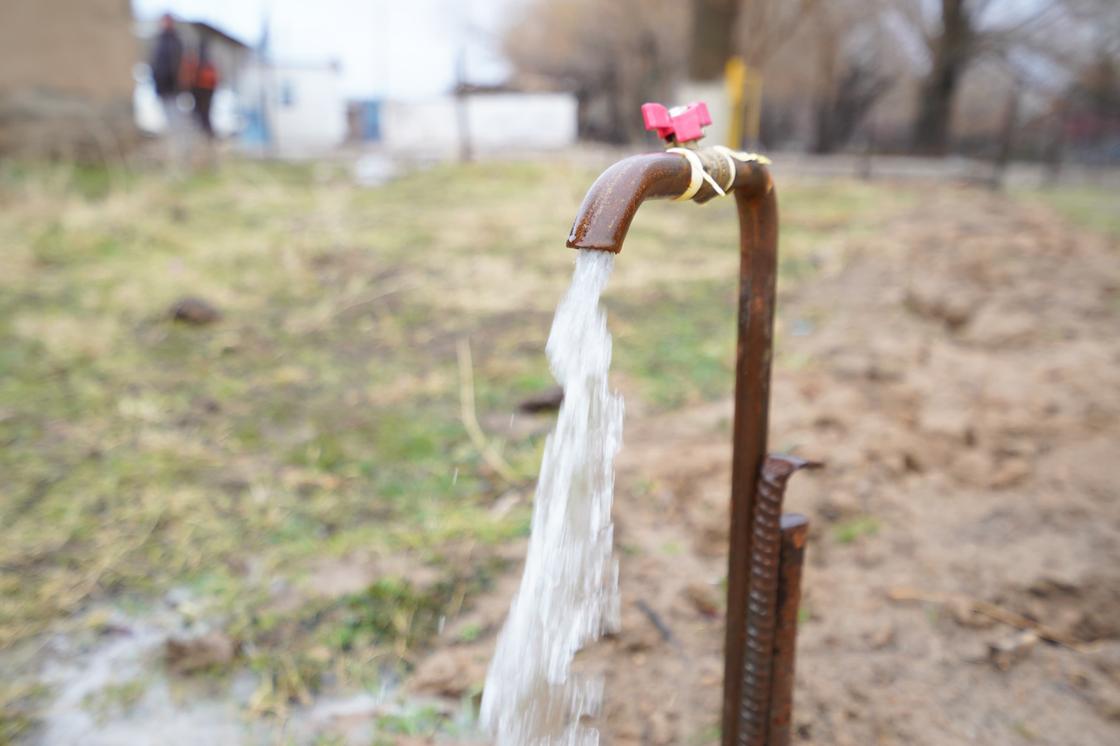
[708, 178]
[697, 179]
[699, 175]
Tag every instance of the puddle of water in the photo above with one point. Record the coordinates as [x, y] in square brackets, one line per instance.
[114, 694]
[112, 690]
[569, 590]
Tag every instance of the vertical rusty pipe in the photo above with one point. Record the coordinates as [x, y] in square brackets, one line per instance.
[795, 533]
[758, 251]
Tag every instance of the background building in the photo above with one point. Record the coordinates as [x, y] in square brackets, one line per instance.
[293, 110]
[66, 77]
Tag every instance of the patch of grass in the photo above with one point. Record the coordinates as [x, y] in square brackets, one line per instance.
[470, 633]
[427, 721]
[853, 529]
[672, 549]
[387, 612]
[1089, 207]
[677, 344]
[330, 739]
[422, 721]
[353, 637]
[18, 703]
[94, 182]
[1024, 730]
[708, 735]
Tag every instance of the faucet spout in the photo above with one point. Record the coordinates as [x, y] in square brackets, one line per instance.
[614, 198]
[612, 201]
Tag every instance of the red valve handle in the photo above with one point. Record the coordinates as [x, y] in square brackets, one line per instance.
[680, 124]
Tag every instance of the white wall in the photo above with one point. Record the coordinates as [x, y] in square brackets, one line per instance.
[420, 128]
[307, 109]
[498, 122]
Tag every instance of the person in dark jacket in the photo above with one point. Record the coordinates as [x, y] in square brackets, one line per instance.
[167, 57]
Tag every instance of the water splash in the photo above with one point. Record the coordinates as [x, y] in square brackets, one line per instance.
[569, 590]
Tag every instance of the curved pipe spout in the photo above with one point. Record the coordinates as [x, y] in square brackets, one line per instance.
[602, 223]
[612, 201]
[614, 198]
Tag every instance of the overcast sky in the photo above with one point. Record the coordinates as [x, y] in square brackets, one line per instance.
[401, 48]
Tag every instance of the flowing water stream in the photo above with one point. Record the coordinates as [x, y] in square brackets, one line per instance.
[569, 589]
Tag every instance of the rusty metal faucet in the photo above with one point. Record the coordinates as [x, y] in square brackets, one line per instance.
[767, 549]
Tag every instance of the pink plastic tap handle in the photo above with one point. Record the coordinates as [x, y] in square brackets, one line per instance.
[682, 123]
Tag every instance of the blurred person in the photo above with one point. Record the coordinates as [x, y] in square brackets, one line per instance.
[166, 64]
[202, 82]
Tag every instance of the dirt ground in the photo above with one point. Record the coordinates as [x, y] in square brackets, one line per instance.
[958, 372]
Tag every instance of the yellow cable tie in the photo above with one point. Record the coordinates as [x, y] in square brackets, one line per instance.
[739, 155]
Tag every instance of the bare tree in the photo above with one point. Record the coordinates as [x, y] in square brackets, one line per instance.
[847, 40]
[825, 66]
[954, 34]
[614, 56]
[1097, 24]
[766, 26]
[1090, 50]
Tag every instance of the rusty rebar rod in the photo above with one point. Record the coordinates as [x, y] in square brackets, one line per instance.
[762, 598]
[795, 534]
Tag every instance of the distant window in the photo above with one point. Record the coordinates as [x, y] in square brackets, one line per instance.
[287, 94]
